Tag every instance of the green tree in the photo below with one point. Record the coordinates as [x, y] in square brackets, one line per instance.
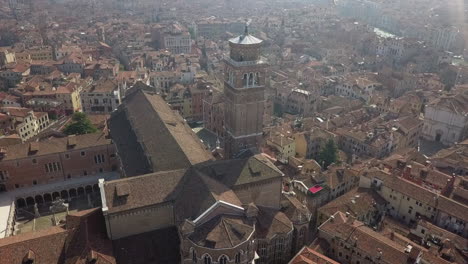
[328, 155]
[192, 33]
[80, 125]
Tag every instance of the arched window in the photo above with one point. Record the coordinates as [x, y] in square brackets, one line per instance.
[257, 78]
[251, 79]
[238, 258]
[244, 80]
[194, 255]
[223, 260]
[207, 259]
[231, 77]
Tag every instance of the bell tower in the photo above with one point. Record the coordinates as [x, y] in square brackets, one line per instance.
[244, 90]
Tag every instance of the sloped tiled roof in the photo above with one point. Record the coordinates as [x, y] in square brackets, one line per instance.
[223, 231]
[83, 233]
[271, 222]
[55, 145]
[142, 191]
[309, 256]
[364, 239]
[151, 137]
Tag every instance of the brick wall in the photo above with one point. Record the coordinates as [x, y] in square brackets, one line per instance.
[29, 171]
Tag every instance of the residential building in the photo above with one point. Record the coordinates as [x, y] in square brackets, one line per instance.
[350, 241]
[64, 51]
[106, 69]
[27, 123]
[42, 67]
[14, 73]
[199, 91]
[174, 38]
[214, 28]
[301, 102]
[9, 100]
[453, 160]
[447, 243]
[310, 143]
[72, 63]
[100, 97]
[356, 88]
[284, 147]
[408, 201]
[365, 205]
[180, 99]
[6, 57]
[70, 95]
[36, 53]
[213, 113]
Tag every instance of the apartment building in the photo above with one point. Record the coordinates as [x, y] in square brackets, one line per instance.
[101, 97]
[350, 241]
[283, 146]
[301, 102]
[27, 123]
[14, 73]
[36, 53]
[356, 88]
[408, 201]
[6, 57]
[174, 38]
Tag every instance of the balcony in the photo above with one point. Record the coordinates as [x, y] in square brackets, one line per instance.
[260, 61]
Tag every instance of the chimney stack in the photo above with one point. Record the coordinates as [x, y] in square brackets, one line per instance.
[407, 172]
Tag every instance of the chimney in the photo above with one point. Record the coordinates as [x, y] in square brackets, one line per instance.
[379, 253]
[349, 218]
[71, 141]
[407, 172]
[423, 173]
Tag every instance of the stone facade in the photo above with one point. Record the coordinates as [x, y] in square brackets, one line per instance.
[445, 119]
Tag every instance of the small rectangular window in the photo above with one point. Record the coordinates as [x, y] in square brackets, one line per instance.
[83, 153]
[34, 161]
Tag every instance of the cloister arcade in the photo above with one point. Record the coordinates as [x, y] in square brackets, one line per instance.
[48, 197]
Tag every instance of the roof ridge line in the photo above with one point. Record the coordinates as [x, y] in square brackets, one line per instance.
[225, 227]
